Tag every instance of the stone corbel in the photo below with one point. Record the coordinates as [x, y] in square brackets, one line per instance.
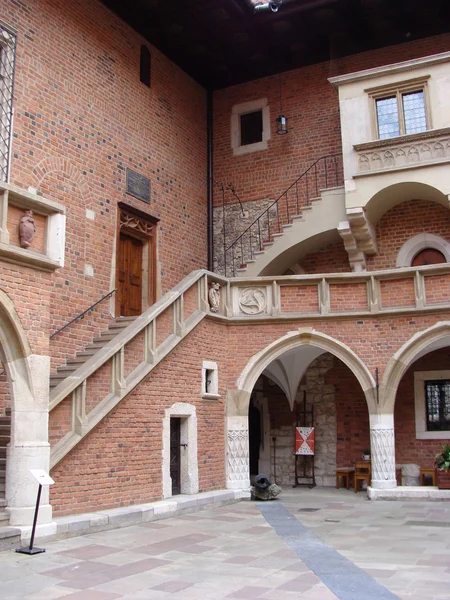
[358, 235]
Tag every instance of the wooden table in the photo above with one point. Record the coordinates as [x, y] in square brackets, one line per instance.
[427, 471]
[346, 473]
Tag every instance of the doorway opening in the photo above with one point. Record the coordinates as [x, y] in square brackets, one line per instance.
[175, 454]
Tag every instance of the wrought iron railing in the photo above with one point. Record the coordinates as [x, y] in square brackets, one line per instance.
[7, 61]
[324, 173]
[81, 315]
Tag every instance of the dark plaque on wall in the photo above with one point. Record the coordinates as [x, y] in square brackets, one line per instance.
[138, 186]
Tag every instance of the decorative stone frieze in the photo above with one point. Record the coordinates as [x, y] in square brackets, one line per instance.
[429, 147]
[382, 441]
[253, 301]
[238, 455]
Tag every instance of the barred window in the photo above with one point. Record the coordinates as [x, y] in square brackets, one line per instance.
[437, 401]
[7, 60]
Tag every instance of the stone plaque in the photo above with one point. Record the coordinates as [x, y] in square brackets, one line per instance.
[138, 186]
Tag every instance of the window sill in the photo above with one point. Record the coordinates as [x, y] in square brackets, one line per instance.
[239, 150]
[401, 139]
[211, 396]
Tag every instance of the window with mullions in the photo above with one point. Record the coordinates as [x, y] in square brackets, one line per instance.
[437, 402]
[401, 114]
[7, 59]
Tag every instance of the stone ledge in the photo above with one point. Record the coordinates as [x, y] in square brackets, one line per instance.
[413, 492]
[9, 538]
[85, 523]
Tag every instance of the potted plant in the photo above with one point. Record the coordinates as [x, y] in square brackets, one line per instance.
[442, 463]
[366, 454]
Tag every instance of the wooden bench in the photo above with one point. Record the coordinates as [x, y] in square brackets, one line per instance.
[347, 474]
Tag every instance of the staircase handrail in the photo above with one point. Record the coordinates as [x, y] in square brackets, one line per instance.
[81, 315]
[111, 348]
[282, 194]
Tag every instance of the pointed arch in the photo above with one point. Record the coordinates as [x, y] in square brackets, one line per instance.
[307, 336]
[435, 337]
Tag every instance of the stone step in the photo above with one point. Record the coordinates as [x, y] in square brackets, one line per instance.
[5, 420]
[2, 502]
[7, 412]
[67, 369]
[105, 337]
[4, 518]
[2, 489]
[4, 440]
[96, 345]
[9, 538]
[2, 452]
[86, 353]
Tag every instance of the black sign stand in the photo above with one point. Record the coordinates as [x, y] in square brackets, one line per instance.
[30, 549]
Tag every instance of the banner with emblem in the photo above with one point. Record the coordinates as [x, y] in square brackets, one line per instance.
[304, 441]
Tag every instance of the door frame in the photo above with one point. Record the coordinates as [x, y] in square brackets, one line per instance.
[143, 226]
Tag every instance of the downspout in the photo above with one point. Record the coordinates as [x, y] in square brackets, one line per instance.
[209, 176]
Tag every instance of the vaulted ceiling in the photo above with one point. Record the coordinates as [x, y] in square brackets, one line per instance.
[223, 42]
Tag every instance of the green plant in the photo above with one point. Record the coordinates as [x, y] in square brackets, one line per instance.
[367, 452]
[442, 461]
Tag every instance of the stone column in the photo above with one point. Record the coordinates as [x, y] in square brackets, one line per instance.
[382, 442]
[237, 465]
[29, 447]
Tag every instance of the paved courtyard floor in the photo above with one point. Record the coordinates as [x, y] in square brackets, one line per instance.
[318, 544]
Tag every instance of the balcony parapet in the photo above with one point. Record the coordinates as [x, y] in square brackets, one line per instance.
[403, 152]
[336, 296]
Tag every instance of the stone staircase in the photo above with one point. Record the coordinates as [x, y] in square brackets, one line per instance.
[9, 536]
[72, 364]
[320, 219]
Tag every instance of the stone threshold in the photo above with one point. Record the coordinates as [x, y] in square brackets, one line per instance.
[409, 492]
[82, 524]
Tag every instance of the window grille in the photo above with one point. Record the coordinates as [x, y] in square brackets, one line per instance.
[437, 397]
[7, 60]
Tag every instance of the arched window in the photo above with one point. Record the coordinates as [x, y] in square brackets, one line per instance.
[428, 256]
[146, 59]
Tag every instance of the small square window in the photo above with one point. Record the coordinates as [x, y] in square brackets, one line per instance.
[210, 380]
[251, 128]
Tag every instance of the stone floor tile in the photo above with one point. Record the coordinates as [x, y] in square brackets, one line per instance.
[90, 551]
[172, 586]
[239, 559]
[92, 595]
[248, 592]
[77, 570]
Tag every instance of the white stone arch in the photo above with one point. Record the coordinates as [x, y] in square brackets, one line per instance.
[237, 463]
[396, 193]
[188, 455]
[28, 379]
[419, 242]
[433, 338]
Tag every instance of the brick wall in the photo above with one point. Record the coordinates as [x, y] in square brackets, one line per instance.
[81, 117]
[311, 105]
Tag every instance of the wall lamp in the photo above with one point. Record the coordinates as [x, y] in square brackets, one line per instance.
[272, 5]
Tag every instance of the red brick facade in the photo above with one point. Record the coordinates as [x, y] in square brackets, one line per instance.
[81, 118]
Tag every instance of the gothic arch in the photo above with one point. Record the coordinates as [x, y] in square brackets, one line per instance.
[307, 336]
[435, 337]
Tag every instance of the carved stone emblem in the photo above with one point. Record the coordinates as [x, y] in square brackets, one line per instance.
[252, 301]
[27, 229]
[214, 297]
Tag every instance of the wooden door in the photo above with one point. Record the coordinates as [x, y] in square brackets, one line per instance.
[429, 256]
[175, 470]
[129, 290]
